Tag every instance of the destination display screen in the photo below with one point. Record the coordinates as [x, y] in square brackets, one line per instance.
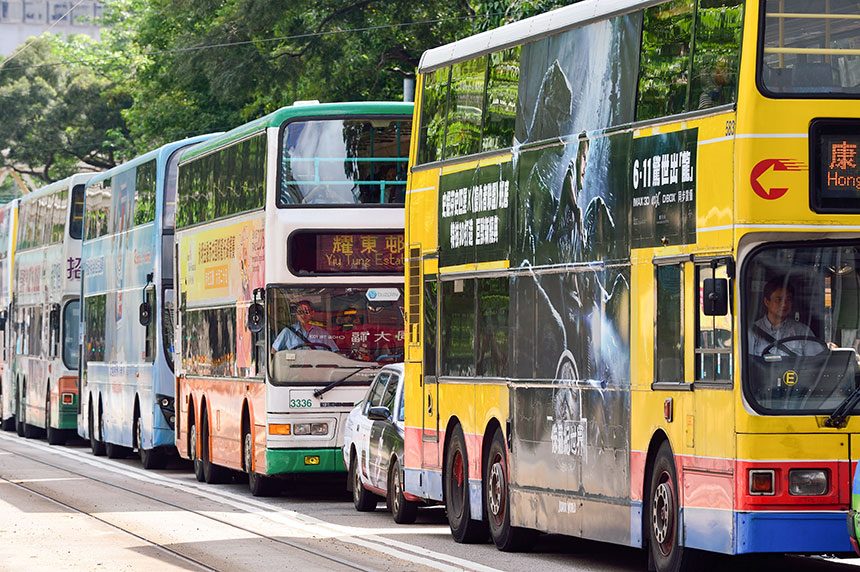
[346, 253]
[835, 178]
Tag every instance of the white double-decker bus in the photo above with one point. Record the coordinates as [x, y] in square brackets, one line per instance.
[8, 239]
[290, 281]
[46, 309]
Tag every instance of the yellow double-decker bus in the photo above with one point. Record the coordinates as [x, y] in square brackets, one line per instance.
[632, 279]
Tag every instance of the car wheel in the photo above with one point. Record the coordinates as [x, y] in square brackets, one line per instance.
[404, 511]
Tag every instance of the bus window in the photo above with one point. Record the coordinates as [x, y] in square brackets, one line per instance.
[801, 323]
[465, 108]
[716, 53]
[339, 331]
[344, 162]
[94, 328]
[809, 47]
[168, 324]
[669, 325]
[430, 309]
[713, 333]
[76, 217]
[434, 108]
[71, 327]
[149, 339]
[493, 327]
[457, 328]
[500, 108]
[664, 68]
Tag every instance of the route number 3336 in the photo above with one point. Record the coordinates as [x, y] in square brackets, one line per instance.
[301, 403]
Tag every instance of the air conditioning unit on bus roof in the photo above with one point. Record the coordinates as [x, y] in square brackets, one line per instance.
[306, 102]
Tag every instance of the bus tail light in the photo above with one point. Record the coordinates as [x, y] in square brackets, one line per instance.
[280, 429]
[808, 482]
[167, 405]
[67, 387]
[761, 482]
[68, 398]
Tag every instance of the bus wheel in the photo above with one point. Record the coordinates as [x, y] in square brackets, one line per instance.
[362, 499]
[55, 436]
[149, 458]
[213, 474]
[194, 453]
[97, 446]
[404, 511]
[8, 424]
[260, 485]
[463, 528]
[19, 418]
[665, 553]
[497, 499]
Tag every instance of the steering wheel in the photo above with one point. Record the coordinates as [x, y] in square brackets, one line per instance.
[781, 344]
[313, 346]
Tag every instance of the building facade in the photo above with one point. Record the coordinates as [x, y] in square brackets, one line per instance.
[22, 19]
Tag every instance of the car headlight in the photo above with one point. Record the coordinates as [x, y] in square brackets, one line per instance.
[807, 482]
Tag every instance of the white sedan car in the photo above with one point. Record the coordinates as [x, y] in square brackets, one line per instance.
[373, 448]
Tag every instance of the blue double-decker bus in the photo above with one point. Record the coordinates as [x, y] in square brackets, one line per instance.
[126, 380]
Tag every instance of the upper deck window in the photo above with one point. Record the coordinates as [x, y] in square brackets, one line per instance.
[344, 162]
[809, 47]
[690, 56]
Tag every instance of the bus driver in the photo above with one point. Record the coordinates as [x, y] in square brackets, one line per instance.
[777, 325]
[303, 333]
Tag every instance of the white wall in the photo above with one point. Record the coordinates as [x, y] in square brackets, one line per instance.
[22, 19]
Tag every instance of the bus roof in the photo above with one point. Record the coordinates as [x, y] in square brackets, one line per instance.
[299, 110]
[67, 183]
[165, 149]
[529, 30]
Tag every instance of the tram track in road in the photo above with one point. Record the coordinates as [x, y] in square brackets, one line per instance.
[174, 553]
[415, 555]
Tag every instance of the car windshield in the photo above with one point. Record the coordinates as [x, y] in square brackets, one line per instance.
[322, 335]
[344, 162]
[802, 315]
[810, 47]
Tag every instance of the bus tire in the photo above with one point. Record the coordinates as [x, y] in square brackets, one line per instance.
[665, 554]
[97, 446]
[194, 453]
[55, 436]
[259, 485]
[149, 458]
[403, 511]
[497, 499]
[31, 431]
[464, 529]
[362, 499]
[8, 424]
[19, 418]
[114, 451]
[213, 474]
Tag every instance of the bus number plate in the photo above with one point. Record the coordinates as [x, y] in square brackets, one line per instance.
[302, 399]
[301, 403]
[312, 460]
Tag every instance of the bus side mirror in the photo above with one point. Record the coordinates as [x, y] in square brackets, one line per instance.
[255, 317]
[715, 297]
[54, 317]
[144, 314]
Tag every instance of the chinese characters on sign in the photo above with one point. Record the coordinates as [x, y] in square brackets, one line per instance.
[663, 181]
[359, 252]
[842, 172]
[474, 208]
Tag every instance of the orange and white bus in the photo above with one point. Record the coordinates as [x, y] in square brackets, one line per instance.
[633, 277]
[290, 283]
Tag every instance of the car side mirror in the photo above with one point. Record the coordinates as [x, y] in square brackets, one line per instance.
[715, 297]
[379, 413]
[144, 314]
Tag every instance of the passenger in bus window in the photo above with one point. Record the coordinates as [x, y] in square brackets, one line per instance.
[303, 333]
[777, 324]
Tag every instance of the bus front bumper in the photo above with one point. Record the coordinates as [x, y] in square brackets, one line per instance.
[794, 532]
[286, 461]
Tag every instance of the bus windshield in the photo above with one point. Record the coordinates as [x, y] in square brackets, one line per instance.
[320, 335]
[802, 324]
[344, 162]
[810, 47]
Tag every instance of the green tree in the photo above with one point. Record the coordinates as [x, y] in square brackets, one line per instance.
[59, 113]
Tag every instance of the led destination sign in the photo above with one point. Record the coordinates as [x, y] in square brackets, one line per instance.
[835, 178]
[346, 252]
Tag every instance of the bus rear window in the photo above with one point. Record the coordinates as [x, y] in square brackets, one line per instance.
[344, 162]
[810, 47]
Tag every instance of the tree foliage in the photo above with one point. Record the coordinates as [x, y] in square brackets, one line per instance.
[168, 69]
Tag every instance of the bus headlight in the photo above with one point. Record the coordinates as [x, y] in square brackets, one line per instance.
[319, 429]
[807, 482]
[302, 429]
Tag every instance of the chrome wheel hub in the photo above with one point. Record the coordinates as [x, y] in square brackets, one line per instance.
[496, 487]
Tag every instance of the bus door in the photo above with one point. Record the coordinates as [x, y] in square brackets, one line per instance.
[431, 454]
[713, 339]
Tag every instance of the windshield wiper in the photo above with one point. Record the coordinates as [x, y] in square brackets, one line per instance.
[839, 417]
[334, 384]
